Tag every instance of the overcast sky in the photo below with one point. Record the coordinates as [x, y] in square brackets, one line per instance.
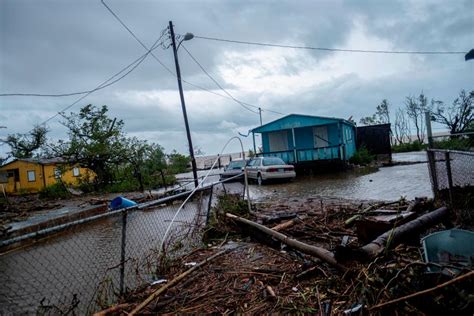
[67, 46]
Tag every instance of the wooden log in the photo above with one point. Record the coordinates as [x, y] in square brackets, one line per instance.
[319, 252]
[395, 236]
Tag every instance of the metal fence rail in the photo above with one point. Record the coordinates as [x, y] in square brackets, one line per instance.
[451, 171]
[80, 267]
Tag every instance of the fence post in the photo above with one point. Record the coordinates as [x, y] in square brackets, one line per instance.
[209, 204]
[122, 252]
[432, 168]
[450, 176]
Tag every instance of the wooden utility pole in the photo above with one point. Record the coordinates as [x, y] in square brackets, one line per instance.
[183, 105]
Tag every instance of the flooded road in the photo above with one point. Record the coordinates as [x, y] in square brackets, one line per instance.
[82, 265]
[386, 183]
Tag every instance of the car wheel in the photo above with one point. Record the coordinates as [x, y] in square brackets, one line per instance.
[259, 179]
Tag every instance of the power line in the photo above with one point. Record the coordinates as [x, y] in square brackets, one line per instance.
[136, 63]
[136, 37]
[243, 104]
[332, 49]
[217, 83]
[167, 68]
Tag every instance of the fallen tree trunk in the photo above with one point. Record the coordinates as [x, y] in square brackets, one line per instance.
[319, 252]
[395, 236]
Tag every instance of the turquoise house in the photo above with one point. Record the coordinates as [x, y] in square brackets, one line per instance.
[304, 139]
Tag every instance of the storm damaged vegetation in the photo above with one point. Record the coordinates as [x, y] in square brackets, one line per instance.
[98, 143]
[262, 262]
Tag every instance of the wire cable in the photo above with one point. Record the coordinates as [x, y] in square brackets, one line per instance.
[333, 49]
[136, 37]
[168, 69]
[106, 83]
[217, 83]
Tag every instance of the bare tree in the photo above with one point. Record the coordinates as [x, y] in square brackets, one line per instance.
[458, 116]
[415, 109]
[401, 127]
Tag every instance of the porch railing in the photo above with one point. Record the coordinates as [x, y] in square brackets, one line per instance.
[308, 154]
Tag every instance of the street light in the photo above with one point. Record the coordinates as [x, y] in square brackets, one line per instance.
[469, 55]
[186, 37]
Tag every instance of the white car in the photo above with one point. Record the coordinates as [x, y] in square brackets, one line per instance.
[234, 168]
[269, 168]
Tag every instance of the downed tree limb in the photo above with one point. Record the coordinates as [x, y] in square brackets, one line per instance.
[394, 236]
[407, 297]
[287, 224]
[175, 281]
[319, 252]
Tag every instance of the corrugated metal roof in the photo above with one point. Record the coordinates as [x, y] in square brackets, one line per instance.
[295, 121]
[41, 161]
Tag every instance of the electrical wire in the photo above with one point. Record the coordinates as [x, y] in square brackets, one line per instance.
[134, 64]
[106, 83]
[217, 83]
[332, 49]
[136, 37]
[169, 70]
[243, 104]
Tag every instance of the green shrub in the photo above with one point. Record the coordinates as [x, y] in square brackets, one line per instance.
[54, 191]
[362, 157]
[407, 147]
[454, 144]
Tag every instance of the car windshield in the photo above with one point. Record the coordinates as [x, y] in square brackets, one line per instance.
[236, 164]
[273, 161]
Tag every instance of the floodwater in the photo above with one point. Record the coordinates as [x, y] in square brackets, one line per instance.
[85, 261]
[385, 183]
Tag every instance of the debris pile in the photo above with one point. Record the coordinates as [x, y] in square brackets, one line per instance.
[300, 256]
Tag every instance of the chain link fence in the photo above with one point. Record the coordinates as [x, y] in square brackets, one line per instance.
[80, 267]
[451, 173]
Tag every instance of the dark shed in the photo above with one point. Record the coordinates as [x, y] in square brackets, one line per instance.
[376, 138]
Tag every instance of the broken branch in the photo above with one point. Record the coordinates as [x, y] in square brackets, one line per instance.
[175, 281]
[319, 252]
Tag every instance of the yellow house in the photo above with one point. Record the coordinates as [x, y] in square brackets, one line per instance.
[34, 174]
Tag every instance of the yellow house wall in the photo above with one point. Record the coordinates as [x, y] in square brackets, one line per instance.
[41, 179]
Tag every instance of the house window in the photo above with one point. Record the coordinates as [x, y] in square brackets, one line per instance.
[31, 176]
[57, 173]
[278, 141]
[76, 172]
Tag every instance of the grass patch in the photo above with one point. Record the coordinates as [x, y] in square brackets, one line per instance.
[54, 191]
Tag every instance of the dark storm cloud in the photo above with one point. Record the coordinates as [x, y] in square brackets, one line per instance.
[57, 46]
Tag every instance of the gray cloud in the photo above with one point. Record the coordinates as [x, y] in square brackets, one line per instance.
[64, 46]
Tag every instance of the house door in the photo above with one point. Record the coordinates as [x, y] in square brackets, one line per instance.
[320, 136]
